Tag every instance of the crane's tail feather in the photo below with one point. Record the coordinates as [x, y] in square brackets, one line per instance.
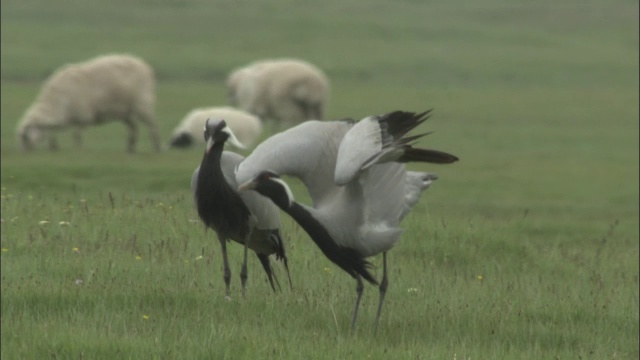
[276, 238]
[357, 265]
[266, 265]
[286, 267]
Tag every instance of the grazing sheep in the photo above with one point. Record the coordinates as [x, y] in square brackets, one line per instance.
[93, 92]
[246, 127]
[287, 90]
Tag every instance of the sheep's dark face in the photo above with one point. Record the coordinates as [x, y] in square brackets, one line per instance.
[29, 137]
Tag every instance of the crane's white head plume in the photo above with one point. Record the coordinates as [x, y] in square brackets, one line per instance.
[269, 184]
[216, 130]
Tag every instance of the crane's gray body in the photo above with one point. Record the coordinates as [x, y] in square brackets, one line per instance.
[358, 192]
[265, 216]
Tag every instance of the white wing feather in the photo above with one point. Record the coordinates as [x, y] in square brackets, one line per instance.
[307, 151]
[359, 145]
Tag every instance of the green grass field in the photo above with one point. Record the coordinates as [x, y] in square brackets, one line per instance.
[525, 249]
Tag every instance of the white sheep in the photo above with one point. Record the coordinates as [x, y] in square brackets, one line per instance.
[106, 88]
[246, 127]
[287, 90]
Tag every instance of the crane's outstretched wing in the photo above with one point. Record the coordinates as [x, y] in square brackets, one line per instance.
[383, 138]
[307, 151]
[369, 163]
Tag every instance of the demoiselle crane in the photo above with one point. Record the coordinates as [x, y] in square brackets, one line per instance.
[359, 187]
[247, 218]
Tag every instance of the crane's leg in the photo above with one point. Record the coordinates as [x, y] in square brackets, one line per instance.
[77, 136]
[227, 271]
[359, 289]
[383, 286]
[243, 272]
[264, 260]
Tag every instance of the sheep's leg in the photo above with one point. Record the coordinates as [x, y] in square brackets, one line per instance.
[77, 136]
[133, 135]
[53, 143]
[359, 289]
[148, 120]
[227, 270]
[383, 287]
[307, 111]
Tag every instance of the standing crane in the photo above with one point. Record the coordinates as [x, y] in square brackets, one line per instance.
[246, 218]
[359, 187]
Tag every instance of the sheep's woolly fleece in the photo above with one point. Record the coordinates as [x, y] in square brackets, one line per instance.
[286, 90]
[106, 88]
[246, 127]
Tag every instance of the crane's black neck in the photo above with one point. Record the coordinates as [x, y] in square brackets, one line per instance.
[219, 205]
[347, 258]
[214, 154]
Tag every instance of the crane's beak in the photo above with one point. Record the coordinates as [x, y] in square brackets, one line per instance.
[209, 144]
[249, 185]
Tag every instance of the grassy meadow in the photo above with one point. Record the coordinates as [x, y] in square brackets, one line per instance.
[527, 248]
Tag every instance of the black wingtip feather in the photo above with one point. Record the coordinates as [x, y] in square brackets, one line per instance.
[396, 125]
[427, 155]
